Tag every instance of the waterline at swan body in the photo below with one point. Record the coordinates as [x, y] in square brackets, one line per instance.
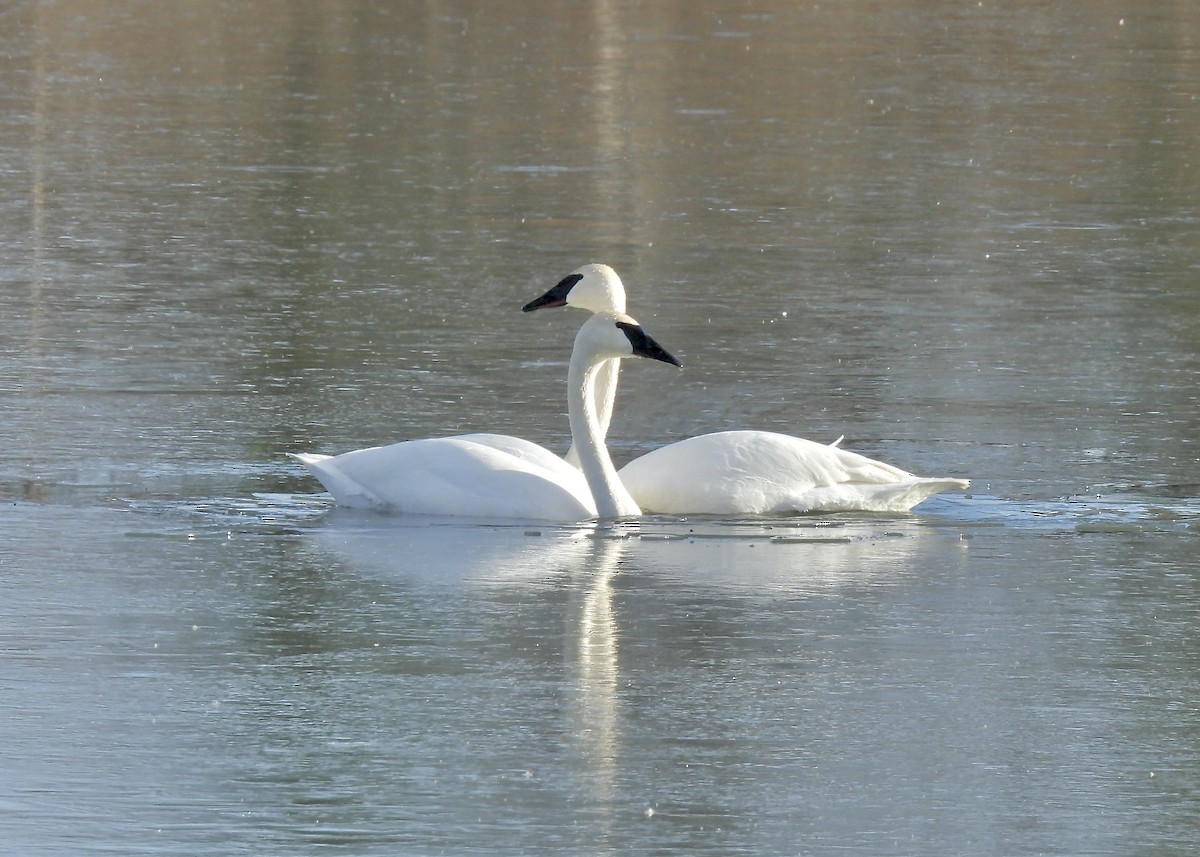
[497, 476]
[740, 472]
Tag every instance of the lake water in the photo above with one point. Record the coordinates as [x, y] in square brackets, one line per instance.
[964, 235]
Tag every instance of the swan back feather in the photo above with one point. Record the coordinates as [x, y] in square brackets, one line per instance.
[758, 473]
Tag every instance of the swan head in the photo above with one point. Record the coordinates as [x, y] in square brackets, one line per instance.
[613, 334]
[595, 288]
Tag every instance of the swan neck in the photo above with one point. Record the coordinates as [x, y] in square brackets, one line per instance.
[587, 440]
[604, 396]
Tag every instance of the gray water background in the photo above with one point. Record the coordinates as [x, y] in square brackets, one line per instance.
[964, 235]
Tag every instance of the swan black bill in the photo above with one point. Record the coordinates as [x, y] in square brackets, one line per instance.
[644, 344]
[557, 296]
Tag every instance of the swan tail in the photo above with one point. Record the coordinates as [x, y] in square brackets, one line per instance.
[902, 496]
[890, 497]
[345, 490]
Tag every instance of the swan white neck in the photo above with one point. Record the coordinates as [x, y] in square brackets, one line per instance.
[604, 394]
[587, 440]
[599, 291]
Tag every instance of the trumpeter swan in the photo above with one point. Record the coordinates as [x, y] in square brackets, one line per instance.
[497, 476]
[738, 472]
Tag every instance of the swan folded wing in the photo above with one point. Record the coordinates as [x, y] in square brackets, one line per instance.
[518, 448]
[756, 472]
[734, 472]
[860, 469]
[486, 476]
[529, 478]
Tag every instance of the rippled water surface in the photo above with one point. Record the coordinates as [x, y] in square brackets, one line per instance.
[965, 236]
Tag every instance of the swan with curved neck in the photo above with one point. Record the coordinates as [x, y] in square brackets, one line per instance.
[497, 476]
[738, 472]
[594, 288]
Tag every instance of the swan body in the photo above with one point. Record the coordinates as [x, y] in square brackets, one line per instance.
[739, 472]
[481, 475]
[498, 476]
[763, 473]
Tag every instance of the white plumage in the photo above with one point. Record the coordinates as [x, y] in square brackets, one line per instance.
[497, 476]
[738, 472]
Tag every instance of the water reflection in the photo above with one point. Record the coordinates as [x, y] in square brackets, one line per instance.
[450, 552]
[593, 709]
[794, 557]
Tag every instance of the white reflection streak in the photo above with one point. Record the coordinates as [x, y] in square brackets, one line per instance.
[609, 112]
[610, 61]
[597, 721]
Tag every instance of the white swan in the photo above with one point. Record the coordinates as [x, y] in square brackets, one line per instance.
[739, 472]
[497, 476]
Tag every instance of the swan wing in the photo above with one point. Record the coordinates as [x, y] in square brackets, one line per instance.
[756, 472]
[518, 448]
[479, 476]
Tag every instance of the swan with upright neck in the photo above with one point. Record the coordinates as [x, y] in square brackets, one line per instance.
[498, 476]
[594, 288]
[738, 472]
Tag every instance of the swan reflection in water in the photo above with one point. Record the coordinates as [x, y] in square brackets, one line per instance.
[500, 625]
[593, 708]
[509, 564]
